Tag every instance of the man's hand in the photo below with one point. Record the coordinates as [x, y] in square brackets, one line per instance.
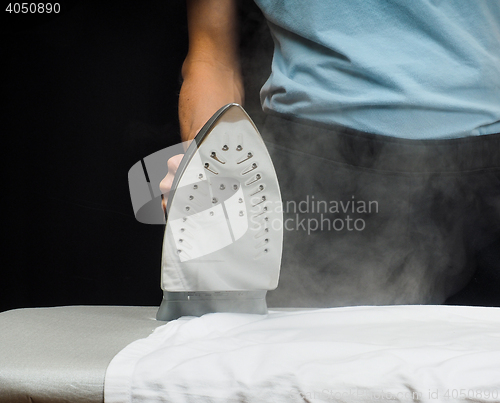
[166, 183]
[211, 71]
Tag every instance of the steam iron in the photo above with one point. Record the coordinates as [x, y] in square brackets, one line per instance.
[224, 229]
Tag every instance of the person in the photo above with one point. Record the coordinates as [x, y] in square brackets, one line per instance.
[383, 124]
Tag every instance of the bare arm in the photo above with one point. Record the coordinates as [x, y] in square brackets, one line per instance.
[211, 71]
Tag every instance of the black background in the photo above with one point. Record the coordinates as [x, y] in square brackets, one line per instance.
[86, 94]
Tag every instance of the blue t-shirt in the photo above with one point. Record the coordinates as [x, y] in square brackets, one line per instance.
[416, 69]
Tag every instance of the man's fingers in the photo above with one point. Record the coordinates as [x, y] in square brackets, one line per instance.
[163, 203]
[166, 183]
[165, 186]
[173, 163]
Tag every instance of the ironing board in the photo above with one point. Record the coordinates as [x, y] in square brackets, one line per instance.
[61, 354]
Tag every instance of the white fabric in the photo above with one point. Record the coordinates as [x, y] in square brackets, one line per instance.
[354, 354]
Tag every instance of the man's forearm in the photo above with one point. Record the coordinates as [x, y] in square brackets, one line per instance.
[207, 86]
[211, 71]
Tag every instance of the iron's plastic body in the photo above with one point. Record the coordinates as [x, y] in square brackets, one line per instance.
[224, 233]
